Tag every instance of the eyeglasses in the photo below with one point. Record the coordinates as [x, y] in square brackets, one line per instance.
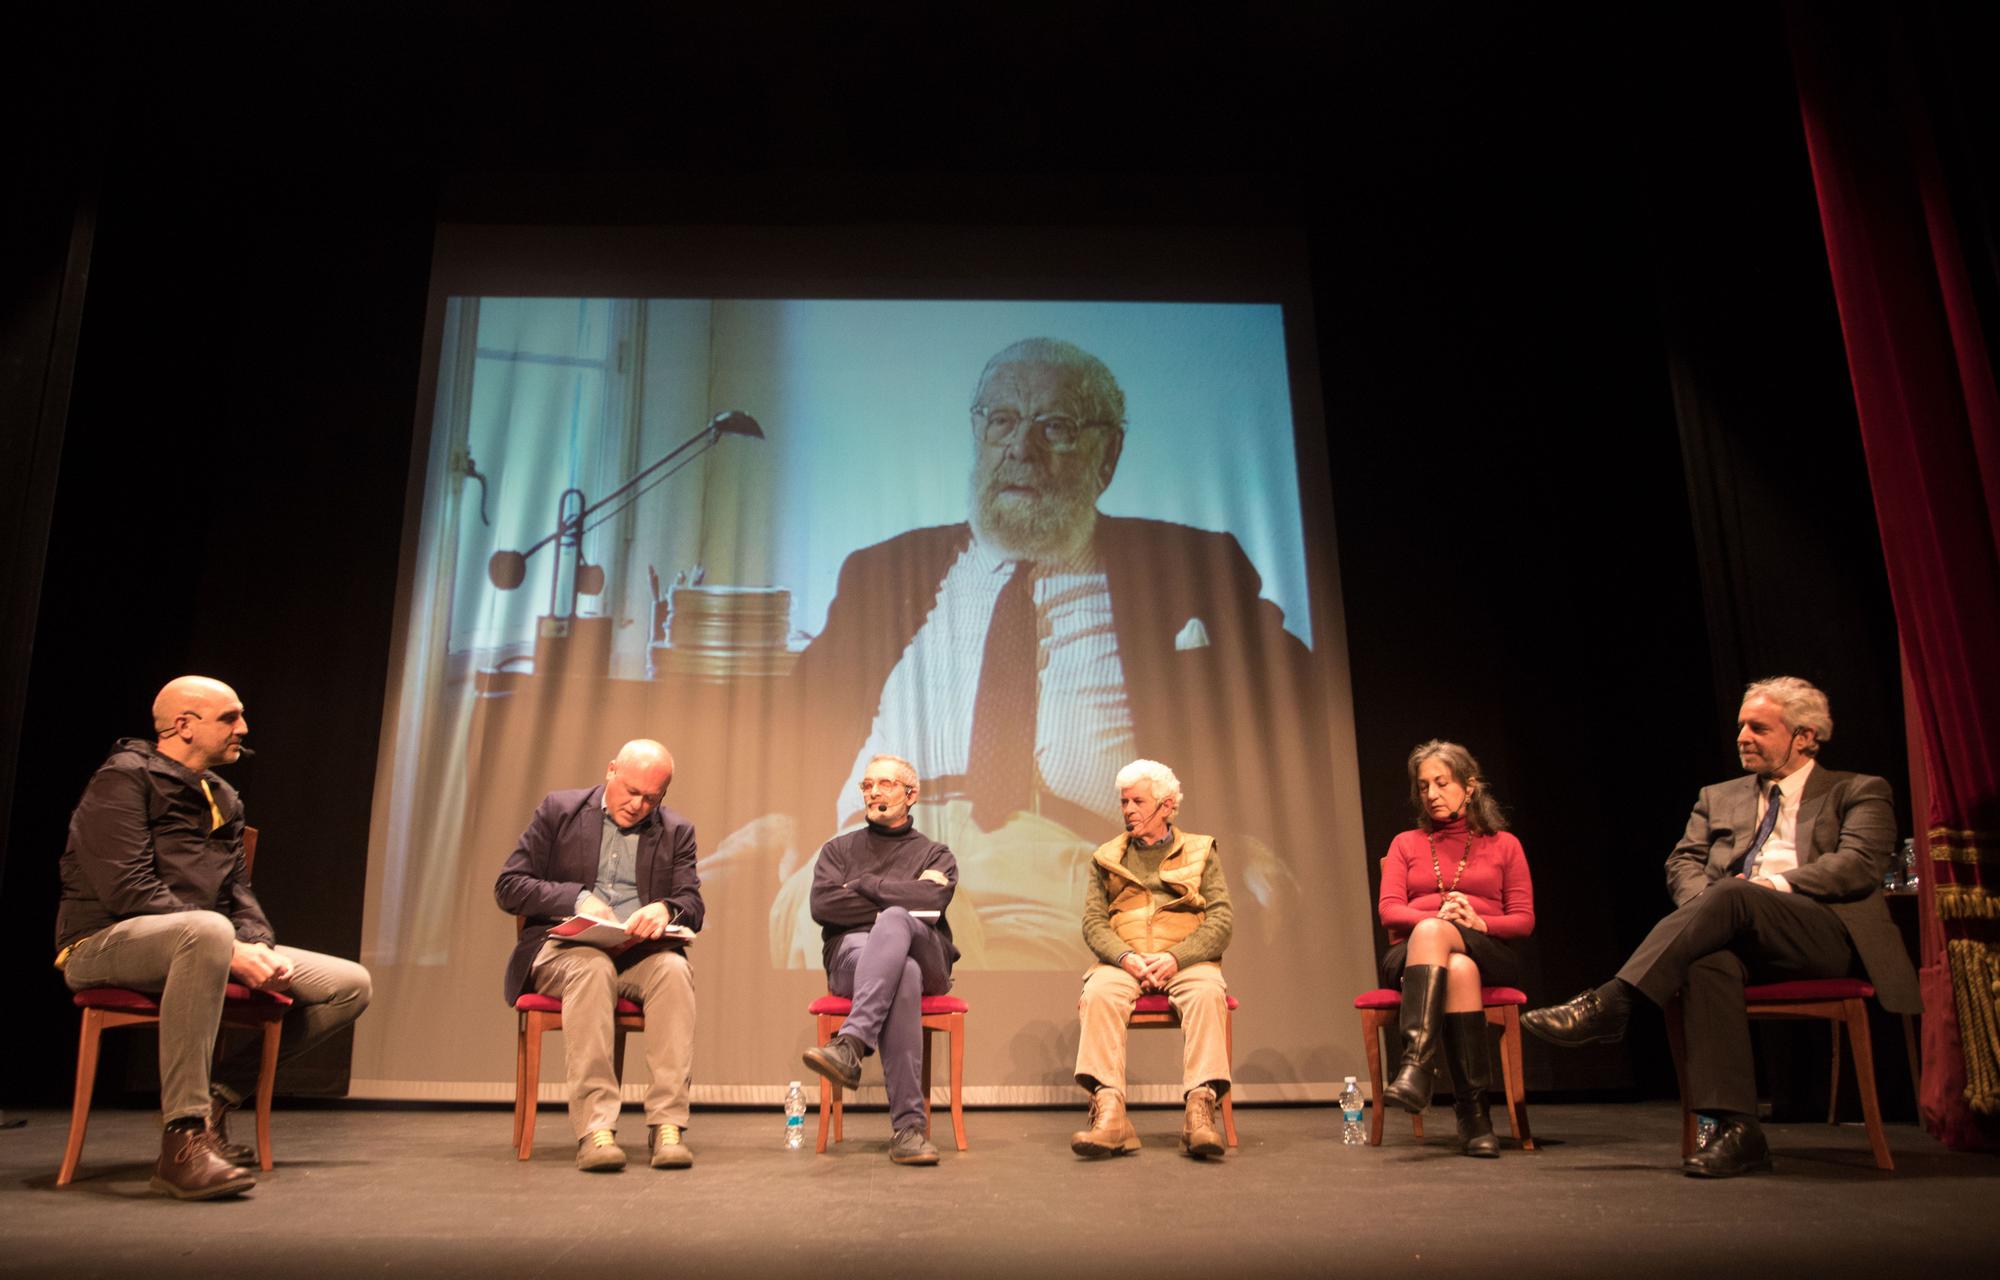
[1059, 432]
[869, 785]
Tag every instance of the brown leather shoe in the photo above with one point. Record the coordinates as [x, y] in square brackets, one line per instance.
[235, 1153]
[1199, 1137]
[190, 1169]
[1110, 1133]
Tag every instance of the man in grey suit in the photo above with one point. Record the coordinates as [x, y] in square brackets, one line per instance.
[1778, 878]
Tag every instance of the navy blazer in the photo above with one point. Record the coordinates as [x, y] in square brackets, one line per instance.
[556, 860]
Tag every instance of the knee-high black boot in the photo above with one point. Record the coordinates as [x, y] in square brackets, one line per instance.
[1471, 1075]
[1423, 1007]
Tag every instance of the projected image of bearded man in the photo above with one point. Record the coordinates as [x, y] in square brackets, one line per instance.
[1035, 485]
[1019, 659]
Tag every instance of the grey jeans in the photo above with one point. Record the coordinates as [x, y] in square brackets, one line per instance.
[183, 957]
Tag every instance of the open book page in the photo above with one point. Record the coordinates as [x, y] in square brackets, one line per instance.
[608, 934]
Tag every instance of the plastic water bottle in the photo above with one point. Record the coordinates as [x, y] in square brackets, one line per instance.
[1352, 1132]
[795, 1117]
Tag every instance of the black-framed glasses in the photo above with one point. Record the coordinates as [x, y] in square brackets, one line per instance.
[1059, 432]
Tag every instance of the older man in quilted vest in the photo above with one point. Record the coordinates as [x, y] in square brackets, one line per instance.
[1156, 912]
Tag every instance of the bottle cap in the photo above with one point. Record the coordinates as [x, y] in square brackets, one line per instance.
[793, 1085]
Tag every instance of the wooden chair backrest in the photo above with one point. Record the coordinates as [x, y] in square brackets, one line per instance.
[249, 850]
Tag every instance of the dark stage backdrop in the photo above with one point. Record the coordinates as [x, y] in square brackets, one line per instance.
[1486, 202]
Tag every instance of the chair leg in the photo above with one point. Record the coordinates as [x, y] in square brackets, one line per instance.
[267, 1084]
[1677, 1044]
[1371, 1048]
[927, 1032]
[1833, 1080]
[521, 1075]
[531, 1072]
[1916, 1061]
[1864, 1079]
[79, 1107]
[1229, 1056]
[829, 1098]
[957, 1034]
[1512, 1076]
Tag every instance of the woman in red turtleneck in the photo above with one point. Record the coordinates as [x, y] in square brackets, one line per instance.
[1455, 898]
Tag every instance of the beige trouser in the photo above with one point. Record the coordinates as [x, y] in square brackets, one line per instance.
[184, 956]
[588, 983]
[1198, 993]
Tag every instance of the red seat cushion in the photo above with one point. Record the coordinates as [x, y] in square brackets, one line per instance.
[1809, 989]
[535, 1002]
[1390, 998]
[1157, 1002]
[124, 1000]
[842, 1006]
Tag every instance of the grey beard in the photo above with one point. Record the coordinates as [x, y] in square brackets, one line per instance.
[1050, 529]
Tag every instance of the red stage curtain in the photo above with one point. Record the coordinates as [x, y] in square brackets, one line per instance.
[1924, 385]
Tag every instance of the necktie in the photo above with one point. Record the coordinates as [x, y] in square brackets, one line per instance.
[1000, 766]
[1764, 830]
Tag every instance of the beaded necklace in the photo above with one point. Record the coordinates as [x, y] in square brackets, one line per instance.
[1437, 872]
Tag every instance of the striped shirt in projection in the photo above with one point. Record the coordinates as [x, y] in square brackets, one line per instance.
[1083, 723]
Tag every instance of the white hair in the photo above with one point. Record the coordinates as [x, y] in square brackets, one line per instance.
[1165, 785]
[1097, 392]
[1801, 704]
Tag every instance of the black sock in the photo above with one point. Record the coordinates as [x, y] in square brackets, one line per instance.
[1616, 996]
[188, 1122]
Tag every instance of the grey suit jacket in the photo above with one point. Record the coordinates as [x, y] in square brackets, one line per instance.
[1846, 835]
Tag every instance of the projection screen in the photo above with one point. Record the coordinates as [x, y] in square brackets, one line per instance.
[762, 494]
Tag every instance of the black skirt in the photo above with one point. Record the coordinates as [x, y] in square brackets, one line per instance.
[1498, 959]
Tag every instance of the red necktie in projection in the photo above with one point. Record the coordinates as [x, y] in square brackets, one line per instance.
[1000, 767]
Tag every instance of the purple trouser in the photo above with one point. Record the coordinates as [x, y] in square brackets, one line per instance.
[887, 971]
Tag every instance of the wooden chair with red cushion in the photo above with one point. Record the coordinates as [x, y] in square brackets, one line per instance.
[1843, 1002]
[1380, 1010]
[1155, 1011]
[107, 1007]
[940, 1013]
[535, 1015]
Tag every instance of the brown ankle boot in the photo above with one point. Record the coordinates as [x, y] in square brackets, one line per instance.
[1110, 1133]
[1198, 1133]
[190, 1169]
[235, 1153]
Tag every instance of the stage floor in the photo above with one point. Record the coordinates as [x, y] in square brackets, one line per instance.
[419, 1192]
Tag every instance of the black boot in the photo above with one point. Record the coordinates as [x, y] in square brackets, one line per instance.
[1423, 1007]
[1471, 1075]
